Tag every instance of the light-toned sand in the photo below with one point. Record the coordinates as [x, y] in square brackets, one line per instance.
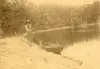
[15, 53]
[87, 52]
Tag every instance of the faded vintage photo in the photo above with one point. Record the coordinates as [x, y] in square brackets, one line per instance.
[49, 34]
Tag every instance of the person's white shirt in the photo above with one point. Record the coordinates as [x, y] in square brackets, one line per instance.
[28, 27]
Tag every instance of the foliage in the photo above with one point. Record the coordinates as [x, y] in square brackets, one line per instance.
[14, 13]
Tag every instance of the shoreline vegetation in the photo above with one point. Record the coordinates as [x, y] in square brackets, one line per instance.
[13, 16]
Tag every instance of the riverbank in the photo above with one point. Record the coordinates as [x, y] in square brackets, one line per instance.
[15, 53]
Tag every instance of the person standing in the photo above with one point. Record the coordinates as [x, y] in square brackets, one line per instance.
[28, 34]
[28, 28]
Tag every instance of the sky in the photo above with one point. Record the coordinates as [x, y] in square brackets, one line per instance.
[63, 2]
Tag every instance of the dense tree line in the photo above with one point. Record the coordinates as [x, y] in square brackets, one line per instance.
[14, 13]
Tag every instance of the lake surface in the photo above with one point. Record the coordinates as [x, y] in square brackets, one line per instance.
[67, 36]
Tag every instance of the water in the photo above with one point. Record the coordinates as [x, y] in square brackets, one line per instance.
[67, 36]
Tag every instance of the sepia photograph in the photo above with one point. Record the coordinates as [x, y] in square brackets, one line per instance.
[49, 34]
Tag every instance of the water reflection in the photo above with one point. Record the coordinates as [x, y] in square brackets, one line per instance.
[68, 36]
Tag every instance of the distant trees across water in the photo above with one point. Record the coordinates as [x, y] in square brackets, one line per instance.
[14, 14]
